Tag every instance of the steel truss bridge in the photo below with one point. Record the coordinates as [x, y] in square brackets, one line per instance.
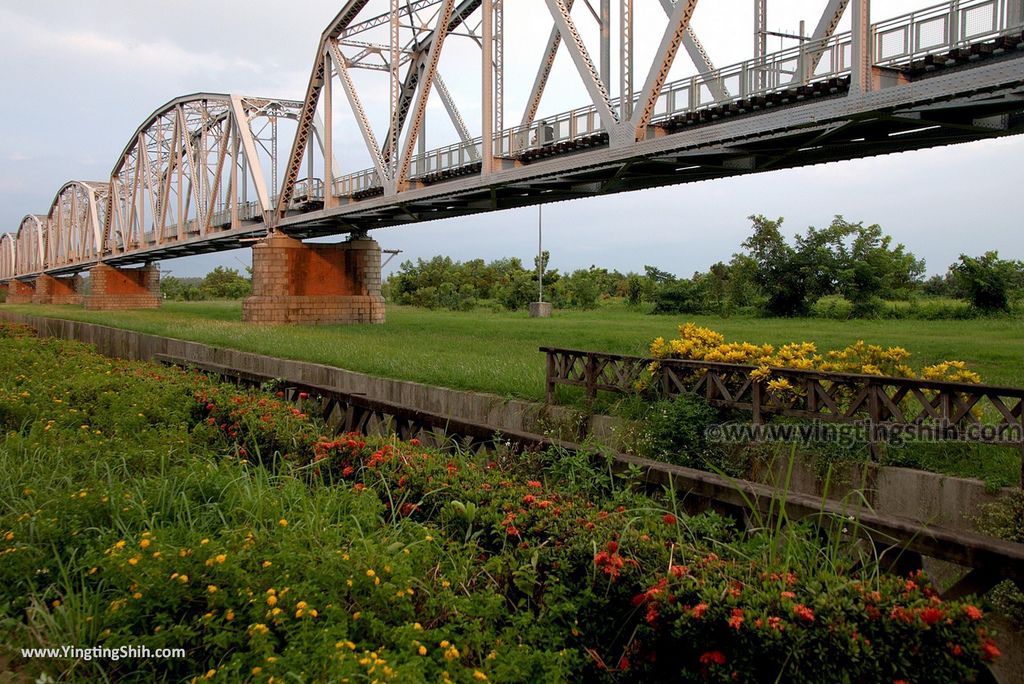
[208, 172]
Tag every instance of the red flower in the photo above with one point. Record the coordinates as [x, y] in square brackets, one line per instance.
[680, 570]
[528, 499]
[956, 650]
[973, 612]
[414, 442]
[931, 616]
[533, 483]
[712, 658]
[699, 610]
[788, 594]
[669, 519]
[989, 651]
[303, 395]
[803, 612]
[737, 618]
[512, 531]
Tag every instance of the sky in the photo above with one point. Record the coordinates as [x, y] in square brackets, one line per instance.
[80, 77]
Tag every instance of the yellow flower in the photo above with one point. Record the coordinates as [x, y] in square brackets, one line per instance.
[137, 595]
[133, 561]
[210, 674]
[422, 650]
[256, 670]
[212, 588]
[267, 564]
[221, 557]
[417, 626]
[480, 676]
[229, 616]
[370, 573]
[183, 579]
[282, 522]
[271, 600]
[204, 542]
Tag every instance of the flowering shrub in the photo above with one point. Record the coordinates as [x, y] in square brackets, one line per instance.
[272, 550]
[697, 343]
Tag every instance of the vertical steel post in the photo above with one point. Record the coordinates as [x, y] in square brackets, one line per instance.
[396, 93]
[626, 61]
[761, 42]
[328, 94]
[540, 252]
[487, 87]
[606, 44]
[861, 56]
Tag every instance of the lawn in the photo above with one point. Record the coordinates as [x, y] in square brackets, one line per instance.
[498, 351]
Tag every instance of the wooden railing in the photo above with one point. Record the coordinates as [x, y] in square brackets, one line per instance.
[884, 405]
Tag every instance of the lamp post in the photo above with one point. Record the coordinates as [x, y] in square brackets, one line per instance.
[540, 308]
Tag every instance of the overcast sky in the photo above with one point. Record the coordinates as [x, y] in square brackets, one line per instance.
[80, 77]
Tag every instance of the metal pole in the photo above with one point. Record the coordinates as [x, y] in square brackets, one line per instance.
[540, 252]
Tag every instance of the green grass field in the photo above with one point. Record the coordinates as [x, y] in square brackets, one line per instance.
[498, 352]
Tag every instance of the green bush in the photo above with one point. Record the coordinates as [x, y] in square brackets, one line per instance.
[680, 297]
[836, 307]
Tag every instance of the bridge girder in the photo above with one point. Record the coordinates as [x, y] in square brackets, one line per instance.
[191, 168]
[8, 253]
[201, 173]
[30, 253]
[73, 228]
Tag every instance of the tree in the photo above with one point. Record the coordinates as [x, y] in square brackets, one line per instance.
[225, 283]
[776, 268]
[986, 280]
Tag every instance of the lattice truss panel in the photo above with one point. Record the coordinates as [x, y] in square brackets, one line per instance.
[30, 240]
[383, 65]
[73, 227]
[200, 165]
[8, 250]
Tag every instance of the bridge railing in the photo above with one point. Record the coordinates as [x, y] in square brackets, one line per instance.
[900, 40]
[941, 28]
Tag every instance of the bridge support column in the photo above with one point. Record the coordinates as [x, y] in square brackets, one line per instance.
[20, 292]
[123, 288]
[296, 282]
[51, 290]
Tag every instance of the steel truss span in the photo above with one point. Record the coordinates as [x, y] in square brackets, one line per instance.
[208, 172]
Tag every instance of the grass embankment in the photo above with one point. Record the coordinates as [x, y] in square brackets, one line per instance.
[150, 507]
[497, 352]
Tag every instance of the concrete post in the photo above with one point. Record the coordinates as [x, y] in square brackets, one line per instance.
[295, 282]
[123, 288]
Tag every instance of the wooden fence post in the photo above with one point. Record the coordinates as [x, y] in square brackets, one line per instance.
[590, 373]
[550, 388]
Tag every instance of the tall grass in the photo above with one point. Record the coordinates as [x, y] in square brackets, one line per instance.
[498, 351]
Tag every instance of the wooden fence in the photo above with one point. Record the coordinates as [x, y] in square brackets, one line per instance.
[887, 407]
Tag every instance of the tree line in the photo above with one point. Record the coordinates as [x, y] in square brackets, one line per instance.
[843, 270]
